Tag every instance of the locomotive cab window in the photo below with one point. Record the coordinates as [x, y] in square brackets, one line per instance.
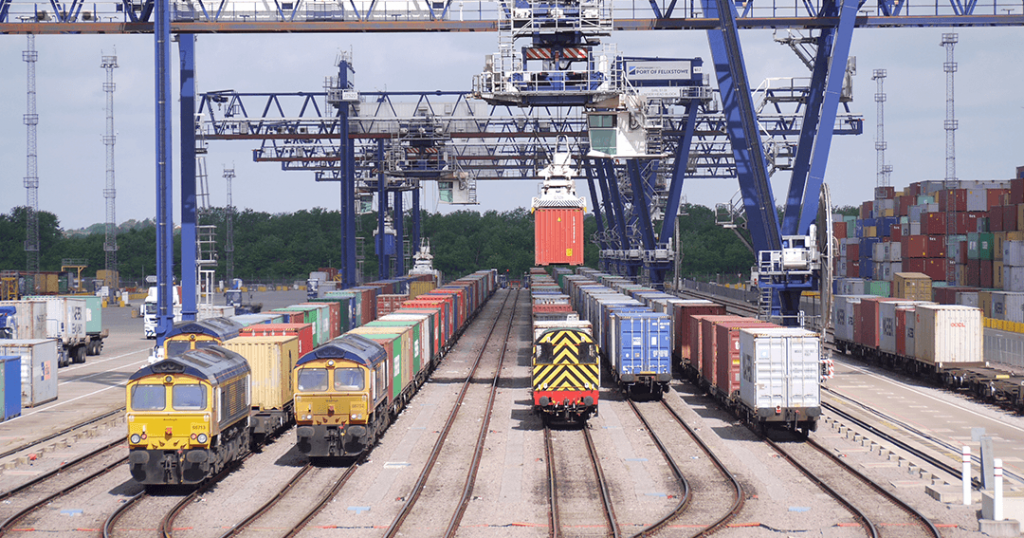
[312, 379]
[203, 344]
[544, 353]
[188, 397]
[588, 355]
[348, 379]
[149, 398]
[177, 347]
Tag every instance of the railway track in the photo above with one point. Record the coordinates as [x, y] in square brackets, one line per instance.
[694, 510]
[411, 500]
[572, 488]
[66, 431]
[869, 502]
[60, 482]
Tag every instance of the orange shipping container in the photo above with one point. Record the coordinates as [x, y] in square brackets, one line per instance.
[558, 236]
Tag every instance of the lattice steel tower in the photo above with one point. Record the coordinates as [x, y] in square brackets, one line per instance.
[32, 173]
[884, 170]
[229, 236]
[949, 41]
[109, 192]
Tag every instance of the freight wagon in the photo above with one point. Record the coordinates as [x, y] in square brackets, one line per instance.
[349, 390]
[565, 375]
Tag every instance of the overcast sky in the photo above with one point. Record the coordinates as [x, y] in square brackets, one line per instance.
[70, 103]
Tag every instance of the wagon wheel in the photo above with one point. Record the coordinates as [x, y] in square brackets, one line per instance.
[827, 246]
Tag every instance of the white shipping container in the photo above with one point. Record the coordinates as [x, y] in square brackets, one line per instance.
[910, 338]
[38, 369]
[1008, 306]
[880, 252]
[779, 368]
[967, 298]
[977, 199]
[915, 228]
[207, 311]
[30, 317]
[887, 324]
[850, 286]
[65, 318]
[843, 317]
[947, 335]
[879, 207]
[1013, 278]
[896, 251]
[889, 270]
[1013, 253]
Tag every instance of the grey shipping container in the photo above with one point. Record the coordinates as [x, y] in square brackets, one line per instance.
[779, 369]
[1008, 306]
[30, 318]
[38, 369]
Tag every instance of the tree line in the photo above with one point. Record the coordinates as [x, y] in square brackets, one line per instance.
[287, 246]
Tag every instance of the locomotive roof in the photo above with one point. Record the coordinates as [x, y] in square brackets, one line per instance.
[214, 364]
[351, 347]
[220, 328]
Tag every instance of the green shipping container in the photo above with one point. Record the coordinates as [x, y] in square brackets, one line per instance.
[93, 313]
[311, 315]
[356, 306]
[851, 226]
[877, 287]
[401, 363]
[419, 342]
[346, 309]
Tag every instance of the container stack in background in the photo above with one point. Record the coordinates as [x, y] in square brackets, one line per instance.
[900, 245]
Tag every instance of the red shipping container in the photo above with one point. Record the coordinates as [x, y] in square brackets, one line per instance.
[914, 246]
[997, 197]
[865, 209]
[865, 322]
[558, 235]
[935, 268]
[445, 304]
[727, 353]
[903, 203]
[933, 223]
[995, 218]
[697, 340]
[885, 193]
[966, 223]
[839, 229]
[1010, 223]
[895, 233]
[915, 189]
[936, 246]
[973, 276]
[985, 274]
[1017, 188]
[852, 251]
[304, 332]
[953, 200]
[290, 316]
[961, 252]
[901, 328]
[335, 310]
[853, 269]
[388, 303]
[681, 315]
[709, 346]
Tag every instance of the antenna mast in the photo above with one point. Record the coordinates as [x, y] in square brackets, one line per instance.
[112, 280]
[32, 173]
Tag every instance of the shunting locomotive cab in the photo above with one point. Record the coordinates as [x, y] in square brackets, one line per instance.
[566, 375]
[341, 397]
[191, 335]
[188, 416]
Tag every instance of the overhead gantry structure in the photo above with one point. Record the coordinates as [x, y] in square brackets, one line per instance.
[779, 270]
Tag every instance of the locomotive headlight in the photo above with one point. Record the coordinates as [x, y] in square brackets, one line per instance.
[309, 417]
[206, 417]
[202, 438]
[135, 439]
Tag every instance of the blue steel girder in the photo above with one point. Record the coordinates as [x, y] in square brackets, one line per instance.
[612, 200]
[640, 202]
[164, 173]
[588, 168]
[186, 51]
[675, 189]
[812, 151]
[748, 152]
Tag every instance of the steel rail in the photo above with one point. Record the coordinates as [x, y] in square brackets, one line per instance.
[549, 455]
[64, 466]
[684, 484]
[738, 501]
[167, 523]
[606, 498]
[396, 524]
[467, 490]
[241, 525]
[6, 526]
[65, 431]
[108, 524]
[328, 497]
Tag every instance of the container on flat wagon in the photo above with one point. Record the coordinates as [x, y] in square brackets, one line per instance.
[697, 339]
[446, 315]
[345, 304]
[38, 368]
[905, 326]
[388, 303]
[419, 287]
[420, 325]
[844, 318]
[887, 333]
[709, 345]
[398, 343]
[948, 335]
[727, 354]
[10, 386]
[640, 343]
[302, 331]
[540, 326]
[435, 322]
[272, 359]
[866, 324]
[682, 313]
[312, 316]
[779, 368]
[291, 316]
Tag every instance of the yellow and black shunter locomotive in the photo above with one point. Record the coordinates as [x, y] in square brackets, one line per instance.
[188, 416]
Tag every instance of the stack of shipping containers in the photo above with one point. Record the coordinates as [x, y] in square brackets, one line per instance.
[901, 245]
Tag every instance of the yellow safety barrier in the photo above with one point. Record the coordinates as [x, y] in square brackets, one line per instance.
[1003, 325]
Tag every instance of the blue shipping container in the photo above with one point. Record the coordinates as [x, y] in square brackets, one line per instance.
[640, 343]
[10, 386]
